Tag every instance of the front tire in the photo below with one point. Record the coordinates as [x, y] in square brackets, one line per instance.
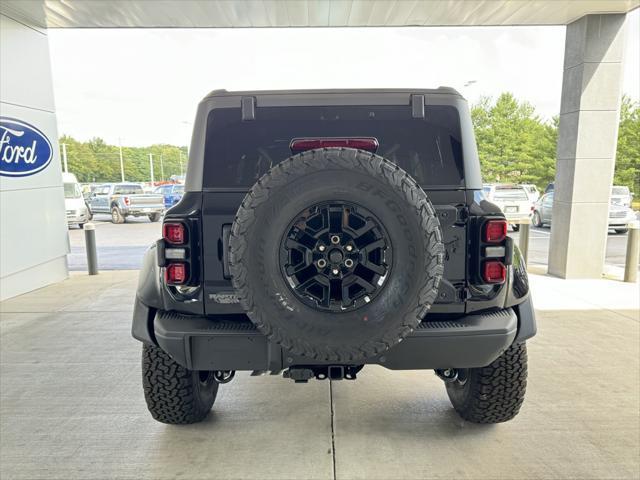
[621, 231]
[154, 217]
[175, 394]
[492, 394]
[116, 215]
[515, 227]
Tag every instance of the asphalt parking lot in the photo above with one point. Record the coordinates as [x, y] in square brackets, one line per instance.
[121, 247]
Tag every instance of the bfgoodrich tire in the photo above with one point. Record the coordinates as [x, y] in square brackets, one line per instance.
[494, 393]
[396, 266]
[173, 393]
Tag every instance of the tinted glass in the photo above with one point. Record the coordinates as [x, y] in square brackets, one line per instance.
[238, 153]
[620, 191]
[127, 189]
[72, 190]
[510, 194]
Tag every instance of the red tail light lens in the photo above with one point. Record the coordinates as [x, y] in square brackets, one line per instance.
[174, 233]
[176, 273]
[495, 231]
[302, 144]
[494, 272]
[126, 200]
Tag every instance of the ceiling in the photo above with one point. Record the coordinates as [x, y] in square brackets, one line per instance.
[304, 13]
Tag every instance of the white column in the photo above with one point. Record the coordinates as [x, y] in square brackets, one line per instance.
[33, 238]
[589, 116]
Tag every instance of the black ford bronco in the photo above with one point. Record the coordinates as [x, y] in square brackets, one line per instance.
[321, 231]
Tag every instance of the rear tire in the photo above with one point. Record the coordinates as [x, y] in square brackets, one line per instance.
[154, 217]
[175, 394]
[116, 215]
[494, 393]
[515, 227]
[536, 220]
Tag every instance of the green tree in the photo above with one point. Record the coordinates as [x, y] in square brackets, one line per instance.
[97, 161]
[514, 144]
[627, 170]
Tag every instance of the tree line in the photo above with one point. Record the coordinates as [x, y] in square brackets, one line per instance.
[514, 145]
[96, 161]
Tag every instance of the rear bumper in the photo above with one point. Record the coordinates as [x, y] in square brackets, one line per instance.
[518, 217]
[140, 211]
[234, 343]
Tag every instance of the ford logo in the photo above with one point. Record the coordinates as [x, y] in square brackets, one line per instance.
[24, 150]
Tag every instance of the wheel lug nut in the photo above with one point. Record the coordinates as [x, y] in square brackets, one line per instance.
[335, 271]
[322, 248]
[348, 263]
[335, 239]
[348, 248]
[322, 263]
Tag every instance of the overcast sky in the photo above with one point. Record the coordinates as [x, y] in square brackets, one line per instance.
[143, 85]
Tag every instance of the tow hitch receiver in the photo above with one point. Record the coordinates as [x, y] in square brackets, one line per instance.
[303, 374]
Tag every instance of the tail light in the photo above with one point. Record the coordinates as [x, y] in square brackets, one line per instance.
[495, 231]
[302, 144]
[127, 201]
[494, 271]
[175, 273]
[174, 233]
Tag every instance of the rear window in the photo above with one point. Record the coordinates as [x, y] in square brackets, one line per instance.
[620, 191]
[238, 153]
[127, 189]
[515, 194]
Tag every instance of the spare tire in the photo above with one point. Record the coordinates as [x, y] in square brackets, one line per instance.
[336, 254]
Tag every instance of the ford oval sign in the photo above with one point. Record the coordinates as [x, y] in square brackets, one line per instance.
[24, 150]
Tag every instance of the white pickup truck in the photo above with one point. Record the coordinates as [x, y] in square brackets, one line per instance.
[513, 200]
[122, 200]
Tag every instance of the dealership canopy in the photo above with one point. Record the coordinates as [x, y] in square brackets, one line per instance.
[307, 13]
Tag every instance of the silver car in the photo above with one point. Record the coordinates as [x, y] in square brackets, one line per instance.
[619, 215]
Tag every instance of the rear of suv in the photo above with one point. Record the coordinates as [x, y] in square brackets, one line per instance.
[323, 231]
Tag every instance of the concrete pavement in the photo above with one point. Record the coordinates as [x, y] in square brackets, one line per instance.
[71, 403]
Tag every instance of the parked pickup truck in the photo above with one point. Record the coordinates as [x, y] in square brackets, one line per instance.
[122, 200]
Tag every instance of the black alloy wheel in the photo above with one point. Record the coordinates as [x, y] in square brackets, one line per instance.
[336, 256]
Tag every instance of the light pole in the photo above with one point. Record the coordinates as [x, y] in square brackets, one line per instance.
[151, 168]
[121, 160]
[64, 157]
[181, 169]
[161, 168]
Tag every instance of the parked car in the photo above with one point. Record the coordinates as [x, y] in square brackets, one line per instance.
[619, 215]
[532, 191]
[172, 194]
[513, 200]
[323, 231]
[621, 195]
[550, 187]
[122, 200]
[77, 210]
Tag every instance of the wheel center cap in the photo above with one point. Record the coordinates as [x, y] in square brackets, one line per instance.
[335, 256]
